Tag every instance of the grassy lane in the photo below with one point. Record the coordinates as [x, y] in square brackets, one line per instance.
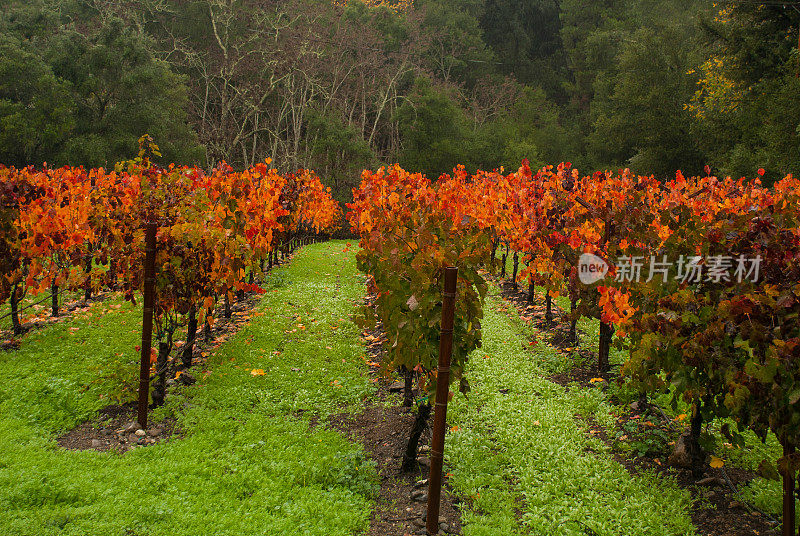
[250, 461]
[527, 465]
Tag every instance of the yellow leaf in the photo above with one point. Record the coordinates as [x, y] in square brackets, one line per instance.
[257, 372]
[716, 463]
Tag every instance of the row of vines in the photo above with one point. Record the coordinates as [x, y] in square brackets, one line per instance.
[696, 278]
[71, 229]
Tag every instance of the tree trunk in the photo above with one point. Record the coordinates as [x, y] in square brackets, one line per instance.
[531, 288]
[191, 335]
[227, 310]
[207, 325]
[688, 453]
[54, 299]
[573, 324]
[503, 266]
[88, 289]
[410, 455]
[15, 299]
[160, 386]
[548, 313]
[606, 332]
[495, 243]
[698, 456]
[696, 422]
[408, 394]
[111, 275]
[516, 268]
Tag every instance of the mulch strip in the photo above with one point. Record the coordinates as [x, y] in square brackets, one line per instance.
[383, 429]
[115, 430]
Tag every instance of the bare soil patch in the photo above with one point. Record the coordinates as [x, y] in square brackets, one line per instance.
[383, 429]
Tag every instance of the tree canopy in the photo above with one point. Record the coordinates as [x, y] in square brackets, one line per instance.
[339, 86]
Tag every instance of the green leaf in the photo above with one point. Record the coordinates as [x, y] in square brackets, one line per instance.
[768, 470]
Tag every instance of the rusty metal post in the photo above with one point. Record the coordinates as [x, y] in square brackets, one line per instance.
[147, 319]
[442, 394]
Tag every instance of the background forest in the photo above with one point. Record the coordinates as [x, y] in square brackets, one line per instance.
[654, 85]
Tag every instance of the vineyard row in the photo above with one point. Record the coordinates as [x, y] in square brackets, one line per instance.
[715, 320]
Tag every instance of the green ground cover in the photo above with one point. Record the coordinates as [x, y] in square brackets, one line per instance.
[764, 494]
[524, 461]
[253, 457]
[250, 461]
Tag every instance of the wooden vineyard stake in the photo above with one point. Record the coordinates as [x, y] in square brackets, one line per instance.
[147, 319]
[442, 394]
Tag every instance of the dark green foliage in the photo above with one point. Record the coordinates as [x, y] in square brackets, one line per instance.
[456, 50]
[534, 129]
[338, 153]
[525, 36]
[121, 92]
[83, 94]
[436, 132]
[757, 47]
[36, 109]
[638, 113]
[483, 83]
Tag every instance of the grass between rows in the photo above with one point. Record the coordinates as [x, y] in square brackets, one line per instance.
[524, 461]
[250, 461]
[764, 494]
